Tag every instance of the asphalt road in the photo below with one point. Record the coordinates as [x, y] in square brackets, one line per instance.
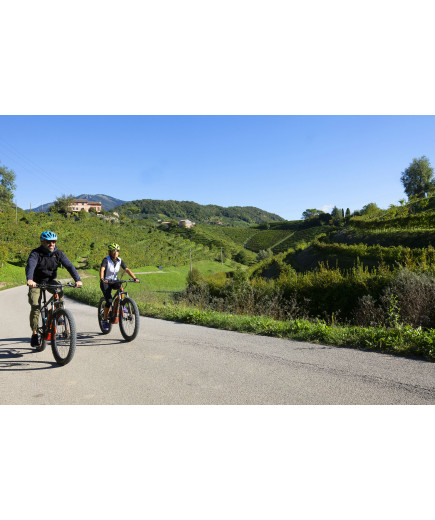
[172, 363]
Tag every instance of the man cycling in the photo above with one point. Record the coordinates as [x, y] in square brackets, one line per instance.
[109, 270]
[42, 267]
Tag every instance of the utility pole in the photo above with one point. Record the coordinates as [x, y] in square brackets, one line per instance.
[190, 254]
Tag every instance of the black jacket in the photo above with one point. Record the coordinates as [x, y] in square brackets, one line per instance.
[42, 265]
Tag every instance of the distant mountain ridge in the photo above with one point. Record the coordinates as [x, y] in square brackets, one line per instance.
[107, 202]
[151, 209]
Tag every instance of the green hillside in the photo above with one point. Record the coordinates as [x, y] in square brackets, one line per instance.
[84, 239]
[153, 210]
[213, 238]
[239, 236]
[267, 239]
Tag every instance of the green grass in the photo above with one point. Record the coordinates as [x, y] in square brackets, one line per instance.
[173, 279]
[155, 284]
[11, 276]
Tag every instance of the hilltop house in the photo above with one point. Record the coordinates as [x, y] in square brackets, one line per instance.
[86, 205]
[182, 223]
[186, 223]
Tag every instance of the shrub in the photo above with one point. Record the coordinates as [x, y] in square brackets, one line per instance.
[415, 297]
[194, 277]
[367, 312]
[407, 299]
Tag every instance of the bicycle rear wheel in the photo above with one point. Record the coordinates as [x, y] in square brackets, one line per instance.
[129, 319]
[101, 305]
[41, 341]
[63, 336]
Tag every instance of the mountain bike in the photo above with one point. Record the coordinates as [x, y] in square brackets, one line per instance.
[56, 324]
[123, 311]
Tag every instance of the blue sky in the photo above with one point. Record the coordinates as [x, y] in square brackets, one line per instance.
[282, 164]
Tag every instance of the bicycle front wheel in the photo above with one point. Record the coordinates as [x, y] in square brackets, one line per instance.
[63, 336]
[129, 319]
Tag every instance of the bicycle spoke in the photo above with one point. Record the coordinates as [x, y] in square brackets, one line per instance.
[129, 319]
[64, 337]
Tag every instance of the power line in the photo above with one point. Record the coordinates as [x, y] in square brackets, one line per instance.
[31, 167]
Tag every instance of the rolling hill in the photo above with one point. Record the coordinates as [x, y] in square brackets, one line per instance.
[149, 209]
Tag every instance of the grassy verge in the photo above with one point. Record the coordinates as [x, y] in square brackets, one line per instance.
[402, 340]
[11, 276]
[172, 279]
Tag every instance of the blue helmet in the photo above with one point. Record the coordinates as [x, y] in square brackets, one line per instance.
[48, 235]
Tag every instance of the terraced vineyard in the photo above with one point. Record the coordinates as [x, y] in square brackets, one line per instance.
[420, 220]
[267, 239]
[417, 237]
[205, 236]
[301, 238]
[237, 235]
[280, 240]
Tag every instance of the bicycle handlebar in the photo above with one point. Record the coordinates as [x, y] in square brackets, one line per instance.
[120, 282]
[57, 286]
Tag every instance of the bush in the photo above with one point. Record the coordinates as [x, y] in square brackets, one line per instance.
[407, 300]
[242, 257]
[194, 277]
[415, 297]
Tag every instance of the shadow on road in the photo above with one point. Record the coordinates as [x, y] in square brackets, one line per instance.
[10, 356]
[13, 350]
[96, 339]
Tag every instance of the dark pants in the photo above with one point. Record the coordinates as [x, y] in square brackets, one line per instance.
[106, 289]
[34, 297]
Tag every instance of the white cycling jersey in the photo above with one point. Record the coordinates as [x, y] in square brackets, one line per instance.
[112, 268]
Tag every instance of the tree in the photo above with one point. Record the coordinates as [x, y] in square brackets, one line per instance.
[62, 204]
[371, 210]
[194, 277]
[263, 254]
[7, 184]
[417, 178]
[310, 213]
[242, 257]
[336, 216]
[347, 213]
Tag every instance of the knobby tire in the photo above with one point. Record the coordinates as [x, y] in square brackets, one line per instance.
[129, 320]
[63, 336]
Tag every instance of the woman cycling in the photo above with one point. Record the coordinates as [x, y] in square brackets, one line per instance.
[109, 270]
